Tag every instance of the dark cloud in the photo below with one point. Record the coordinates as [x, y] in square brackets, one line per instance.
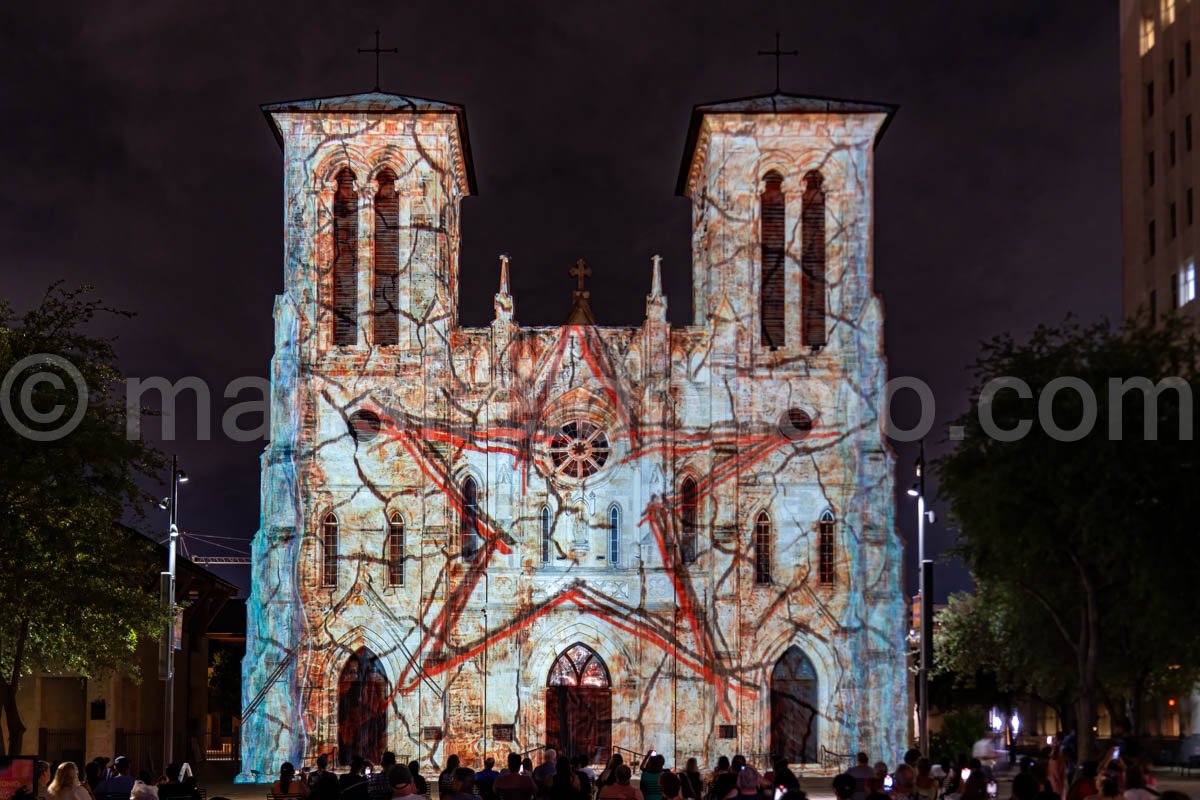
[136, 160]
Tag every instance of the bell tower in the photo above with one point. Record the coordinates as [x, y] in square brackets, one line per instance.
[781, 191]
[372, 186]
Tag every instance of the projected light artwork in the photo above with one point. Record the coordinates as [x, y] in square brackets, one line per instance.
[483, 540]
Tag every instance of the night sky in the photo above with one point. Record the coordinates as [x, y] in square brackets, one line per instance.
[136, 160]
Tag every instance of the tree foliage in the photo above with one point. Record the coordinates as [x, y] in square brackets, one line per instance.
[1079, 548]
[77, 590]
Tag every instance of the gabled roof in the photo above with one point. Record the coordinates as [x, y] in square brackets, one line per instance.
[376, 103]
[777, 103]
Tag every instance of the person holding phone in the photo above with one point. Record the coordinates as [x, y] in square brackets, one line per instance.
[652, 767]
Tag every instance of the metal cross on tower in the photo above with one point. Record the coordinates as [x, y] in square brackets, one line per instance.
[778, 54]
[377, 50]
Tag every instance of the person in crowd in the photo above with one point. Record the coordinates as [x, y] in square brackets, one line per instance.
[447, 775]
[120, 782]
[170, 787]
[143, 791]
[1109, 790]
[925, 787]
[877, 784]
[748, 784]
[401, 781]
[862, 774]
[975, 786]
[462, 785]
[564, 784]
[652, 770]
[92, 774]
[515, 784]
[693, 781]
[66, 785]
[783, 778]
[724, 779]
[321, 770]
[422, 785]
[1135, 785]
[905, 776]
[845, 785]
[623, 789]
[527, 767]
[353, 785]
[541, 776]
[608, 775]
[486, 778]
[287, 785]
[1056, 770]
[671, 786]
[1024, 783]
[587, 778]
[1085, 782]
[378, 786]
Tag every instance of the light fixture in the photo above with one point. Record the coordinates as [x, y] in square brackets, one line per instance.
[165, 503]
[183, 478]
[914, 491]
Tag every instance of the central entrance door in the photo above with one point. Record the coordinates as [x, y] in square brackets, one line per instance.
[794, 708]
[362, 708]
[579, 705]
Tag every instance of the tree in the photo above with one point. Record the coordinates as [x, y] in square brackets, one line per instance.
[1079, 542]
[77, 590]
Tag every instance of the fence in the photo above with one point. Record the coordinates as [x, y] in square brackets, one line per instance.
[61, 744]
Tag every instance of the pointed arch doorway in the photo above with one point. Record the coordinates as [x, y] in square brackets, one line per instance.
[362, 708]
[579, 704]
[794, 717]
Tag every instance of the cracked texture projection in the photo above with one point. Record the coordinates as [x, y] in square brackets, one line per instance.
[478, 540]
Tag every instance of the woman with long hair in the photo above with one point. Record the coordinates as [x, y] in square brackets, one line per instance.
[66, 785]
[287, 785]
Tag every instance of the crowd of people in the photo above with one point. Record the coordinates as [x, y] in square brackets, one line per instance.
[105, 779]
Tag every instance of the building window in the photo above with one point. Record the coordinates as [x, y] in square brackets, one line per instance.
[504, 732]
[1174, 291]
[1171, 148]
[469, 528]
[1187, 283]
[345, 260]
[545, 520]
[1150, 167]
[1187, 59]
[825, 550]
[774, 290]
[1150, 249]
[727, 731]
[395, 550]
[762, 549]
[689, 519]
[1174, 225]
[614, 536]
[812, 259]
[329, 551]
[1171, 76]
[1150, 99]
[386, 292]
[1167, 11]
[1146, 40]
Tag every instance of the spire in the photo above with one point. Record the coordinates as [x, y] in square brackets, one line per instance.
[656, 303]
[504, 301]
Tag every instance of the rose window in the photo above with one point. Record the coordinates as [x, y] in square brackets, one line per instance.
[578, 449]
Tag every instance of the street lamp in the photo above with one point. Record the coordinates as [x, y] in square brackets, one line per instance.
[166, 666]
[924, 593]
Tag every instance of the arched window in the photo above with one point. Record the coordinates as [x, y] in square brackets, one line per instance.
[772, 297]
[825, 565]
[386, 292]
[329, 551]
[395, 550]
[545, 524]
[762, 549]
[614, 535]
[812, 259]
[345, 260]
[689, 518]
[470, 519]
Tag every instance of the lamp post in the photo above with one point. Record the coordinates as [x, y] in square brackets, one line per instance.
[170, 504]
[924, 592]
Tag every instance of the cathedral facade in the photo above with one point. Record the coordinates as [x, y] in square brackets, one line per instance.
[600, 539]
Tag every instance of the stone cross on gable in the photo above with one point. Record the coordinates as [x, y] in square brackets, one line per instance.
[778, 53]
[377, 50]
[580, 271]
